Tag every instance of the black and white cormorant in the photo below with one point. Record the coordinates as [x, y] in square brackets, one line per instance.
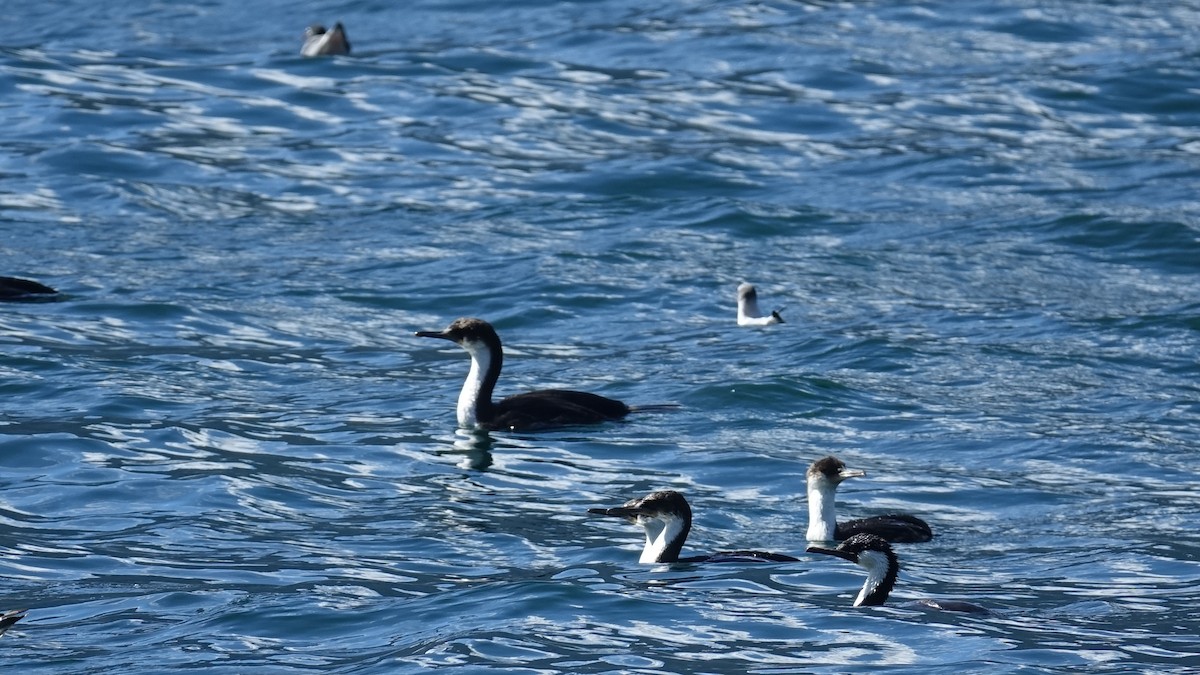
[321, 42]
[823, 477]
[7, 619]
[667, 519]
[521, 412]
[748, 312]
[876, 556]
[13, 289]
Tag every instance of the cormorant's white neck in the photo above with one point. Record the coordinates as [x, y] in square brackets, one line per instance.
[878, 566]
[822, 522]
[470, 396]
[661, 533]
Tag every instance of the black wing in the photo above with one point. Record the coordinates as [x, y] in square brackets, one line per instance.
[554, 408]
[896, 528]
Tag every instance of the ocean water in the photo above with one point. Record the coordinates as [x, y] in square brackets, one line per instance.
[223, 451]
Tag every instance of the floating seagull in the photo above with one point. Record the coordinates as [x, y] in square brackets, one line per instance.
[7, 619]
[13, 289]
[522, 412]
[876, 556]
[319, 42]
[823, 477]
[667, 519]
[748, 312]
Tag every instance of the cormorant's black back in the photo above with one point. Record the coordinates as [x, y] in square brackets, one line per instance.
[553, 408]
[897, 528]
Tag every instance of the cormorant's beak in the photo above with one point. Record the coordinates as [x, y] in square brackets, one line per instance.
[626, 512]
[833, 552]
[847, 473]
[434, 334]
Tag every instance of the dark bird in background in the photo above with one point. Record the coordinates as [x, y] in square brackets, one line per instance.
[13, 289]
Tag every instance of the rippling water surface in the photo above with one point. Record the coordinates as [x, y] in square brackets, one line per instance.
[222, 450]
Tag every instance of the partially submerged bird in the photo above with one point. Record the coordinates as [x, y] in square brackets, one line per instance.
[13, 289]
[748, 312]
[823, 478]
[7, 619]
[521, 412]
[320, 42]
[876, 556]
[667, 519]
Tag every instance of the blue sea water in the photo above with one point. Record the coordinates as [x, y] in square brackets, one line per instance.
[223, 451]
